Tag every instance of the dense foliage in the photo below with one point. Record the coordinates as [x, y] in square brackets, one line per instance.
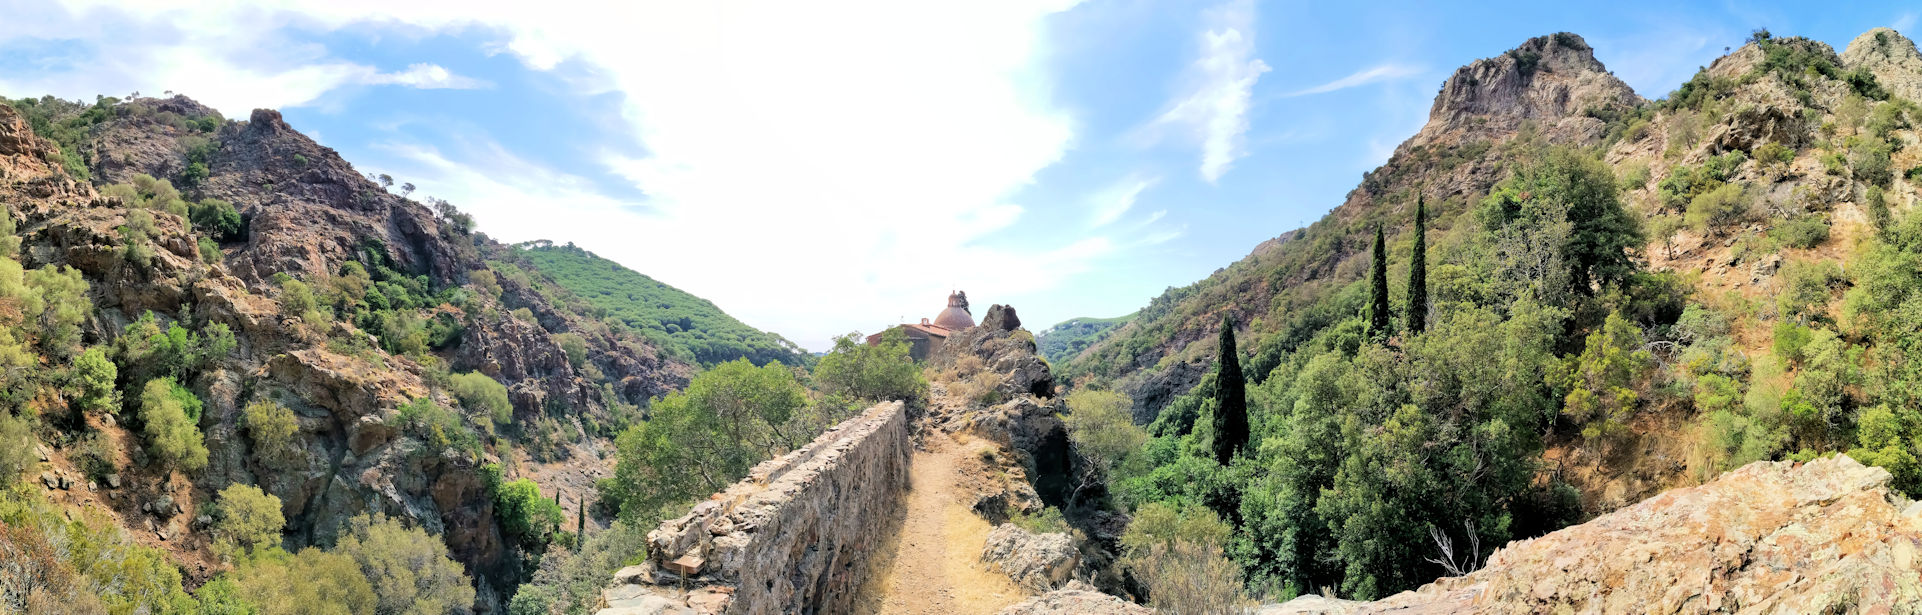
[1063, 341]
[681, 323]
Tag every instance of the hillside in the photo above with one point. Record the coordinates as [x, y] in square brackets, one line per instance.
[684, 325]
[1064, 340]
[1621, 296]
[216, 326]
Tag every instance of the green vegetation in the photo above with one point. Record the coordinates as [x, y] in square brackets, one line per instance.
[1416, 315]
[271, 427]
[521, 509]
[679, 323]
[247, 519]
[408, 569]
[1378, 313]
[874, 373]
[1102, 432]
[1230, 420]
[1060, 343]
[169, 412]
[482, 395]
[1178, 556]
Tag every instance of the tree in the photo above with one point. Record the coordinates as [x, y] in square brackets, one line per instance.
[312, 582]
[271, 426]
[171, 433]
[93, 378]
[1102, 431]
[218, 219]
[1605, 380]
[1178, 555]
[409, 569]
[1417, 317]
[1231, 398]
[875, 373]
[1566, 185]
[482, 394]
[1378, 289]
[519, 506]
[248, 519]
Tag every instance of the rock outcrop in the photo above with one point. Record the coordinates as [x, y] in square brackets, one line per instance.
[792, 537]
[1076, 599]
[1553, 80]
[1891, 57]
[1036, 561]
[1825, 536]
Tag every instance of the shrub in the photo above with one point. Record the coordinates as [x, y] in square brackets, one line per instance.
[312, 581]
[1102, 431]
[575, 347]
[440, 429]
[271, 426]
[169, 412]
[1790, 339]
[16, 448]
[296, 298]
[218, 219]
[93, 380]
[1773, 153]
[481, 394]
[1177, 556]
[209, 251]
[860, 371]
[1801, 232]
[1869, 162]
[1718, 208]
[1604, 382]
[522, 511]
[247, 519]
[409, 569]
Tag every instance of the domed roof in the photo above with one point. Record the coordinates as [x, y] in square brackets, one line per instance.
[956, 317]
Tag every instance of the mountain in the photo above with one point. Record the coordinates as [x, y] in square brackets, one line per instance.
[1623, 296]
[1066, 339]
[687, 327]
[209, 303]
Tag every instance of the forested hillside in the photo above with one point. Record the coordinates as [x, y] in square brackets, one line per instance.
[1063, 341]
[684, 325]
[1609, 297]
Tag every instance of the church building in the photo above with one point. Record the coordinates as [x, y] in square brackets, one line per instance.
[926, 337]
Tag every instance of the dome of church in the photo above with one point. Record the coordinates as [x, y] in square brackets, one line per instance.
[956, 316]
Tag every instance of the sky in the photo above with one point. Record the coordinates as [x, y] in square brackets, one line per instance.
[816, 168]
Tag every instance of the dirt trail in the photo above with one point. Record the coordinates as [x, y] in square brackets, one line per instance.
[930, 564]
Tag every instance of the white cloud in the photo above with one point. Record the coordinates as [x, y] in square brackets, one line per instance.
[1214, 107]
[1384, 72]
[427, 77]
[1110, 203]
[1904, 23]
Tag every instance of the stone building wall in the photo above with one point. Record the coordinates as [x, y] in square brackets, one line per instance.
[793, 537]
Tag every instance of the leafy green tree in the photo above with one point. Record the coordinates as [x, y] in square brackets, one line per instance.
[1378, 289]
[1103, 433]
[311, 582]
[1231, 399]
[248, 519]
[61, 307]
[484, 395]
[409, 569]
[1417, 317]
[271, 426]
[1604, 381]
[1566, 185]
[171, 433]
[876, 373]
[217, 218]
[698, 440]
[1177, 553]
[575, 346]
[522, 510]
[16, 448]
[93, 379]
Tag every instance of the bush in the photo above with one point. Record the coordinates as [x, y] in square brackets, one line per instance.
[1177, 556]
[483, 395]
[409, 569]
[169, 412]
[575, 347]
[312, 581]
[1718, 208]
[1773, 153]
[1605, 381]
[16, 448]
[1869, 162]
[93, 380]
[860, 371]
[522, 511]
[247, 519]
[271, 426]
[1790, 339]
[1102, 431]
[440, 429]
[218, 219]
[1802, 232]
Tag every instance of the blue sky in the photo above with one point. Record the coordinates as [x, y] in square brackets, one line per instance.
[819, 168]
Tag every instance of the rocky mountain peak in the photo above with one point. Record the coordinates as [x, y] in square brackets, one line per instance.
[1891, 57]
[1546, 79]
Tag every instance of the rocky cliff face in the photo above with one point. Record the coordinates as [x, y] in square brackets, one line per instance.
[1554, 80]
[1825, 536]
[1891, 57]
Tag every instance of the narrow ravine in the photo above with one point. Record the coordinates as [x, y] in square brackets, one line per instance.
[930, 563]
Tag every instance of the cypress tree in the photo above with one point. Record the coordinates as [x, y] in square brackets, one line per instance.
[580, 523]
[1231, 398]
[1378, 307]
[1417, 317]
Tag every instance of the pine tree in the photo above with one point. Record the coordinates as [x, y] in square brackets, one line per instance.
[1378, 307]
[1417, 317]
[1231, 397]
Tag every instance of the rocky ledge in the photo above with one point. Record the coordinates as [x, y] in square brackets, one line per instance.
[1827, 536]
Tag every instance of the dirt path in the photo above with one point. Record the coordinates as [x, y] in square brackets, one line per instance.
[931, 563]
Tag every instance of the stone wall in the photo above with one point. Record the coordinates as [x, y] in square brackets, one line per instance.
[793, 537]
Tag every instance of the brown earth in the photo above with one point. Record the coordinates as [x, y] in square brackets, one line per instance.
[930, 562]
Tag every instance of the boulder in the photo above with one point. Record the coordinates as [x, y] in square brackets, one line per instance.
[1001, 318]
[1076, 598]
[1036, 561]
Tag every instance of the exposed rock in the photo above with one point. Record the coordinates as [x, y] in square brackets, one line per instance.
[1826, 536]
[1076, 598]
[1001, 318]
[1035, 561]
[1547, 79]
[1891, 57]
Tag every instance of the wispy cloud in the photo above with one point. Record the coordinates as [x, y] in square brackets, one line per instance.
[427, 77]
[1904, 23]
[1221, 83]
[1110, 203]
[1375, 74]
